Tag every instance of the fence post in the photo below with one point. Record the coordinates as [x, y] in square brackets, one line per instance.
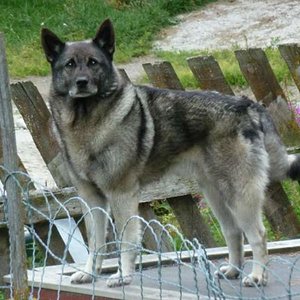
[209, 74]
[291, 54]
[256, 68]
[163, 75]
[37, 118]
[14, 204]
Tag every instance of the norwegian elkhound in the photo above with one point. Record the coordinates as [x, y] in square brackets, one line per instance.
[116, 137]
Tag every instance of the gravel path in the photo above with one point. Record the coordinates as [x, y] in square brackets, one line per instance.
[242, 23]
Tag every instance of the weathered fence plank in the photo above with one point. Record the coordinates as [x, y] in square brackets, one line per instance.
[37, 118]
[163, 75]
[148, 214]
[209, 74]
[259, 74]
[291, 54]
[194, 226]
[124, 74]
[280, 212]
[13, 197]
[3, 174]
[4, 254]
[54, 243]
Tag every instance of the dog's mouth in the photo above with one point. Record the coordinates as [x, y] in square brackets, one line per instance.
[82, 93]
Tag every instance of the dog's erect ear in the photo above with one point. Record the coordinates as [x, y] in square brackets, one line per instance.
[105, 38]
[52, 45]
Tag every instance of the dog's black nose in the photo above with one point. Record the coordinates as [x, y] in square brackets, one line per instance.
[81, 82]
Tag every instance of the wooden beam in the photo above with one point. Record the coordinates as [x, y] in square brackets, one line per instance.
[209, 74]
[4, 254]
[190, 220]
[37, 118]
[256, 68]
[162, 75]
[291, 54]
[164, 244]
[15, 214]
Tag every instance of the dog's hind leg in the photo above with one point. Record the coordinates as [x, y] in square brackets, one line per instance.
[232, 233]
[125, 210]
[249, 218]
[96, 225]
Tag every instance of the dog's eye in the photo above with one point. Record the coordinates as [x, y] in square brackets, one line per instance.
[92, 62]
[70, 64]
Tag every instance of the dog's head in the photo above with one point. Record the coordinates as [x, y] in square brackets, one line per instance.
[82, 69]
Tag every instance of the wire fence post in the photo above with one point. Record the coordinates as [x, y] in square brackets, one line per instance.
[14, 205]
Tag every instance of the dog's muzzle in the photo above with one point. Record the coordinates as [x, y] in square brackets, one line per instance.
[82, 88]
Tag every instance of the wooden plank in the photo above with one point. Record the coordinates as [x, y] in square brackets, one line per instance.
[209, 75]
[46, 203]
[150, 260]
[291, 54]
[54, 243]
[124, 75]
[3, 174]
[259, 74]
[15, 213]
[190, 220]
[48, 277]
[162, 75]
[37, 118]
[280, 213]
[148, 239]
[4, 254]
[49, 281]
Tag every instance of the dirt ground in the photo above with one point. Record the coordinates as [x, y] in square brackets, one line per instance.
[242, 23]
[224, 24]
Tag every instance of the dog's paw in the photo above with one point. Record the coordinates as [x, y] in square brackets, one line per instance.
[228, 272]
[81, 277]
[255, 280]
[118, 280]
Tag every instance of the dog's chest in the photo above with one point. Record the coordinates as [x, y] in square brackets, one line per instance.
[83, 145]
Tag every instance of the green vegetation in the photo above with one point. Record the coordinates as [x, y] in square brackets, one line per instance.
[228, 64]
[136, 23]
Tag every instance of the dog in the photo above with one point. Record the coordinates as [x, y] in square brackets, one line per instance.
[116, 137]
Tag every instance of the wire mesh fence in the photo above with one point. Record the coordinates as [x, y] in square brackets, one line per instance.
[187, 272]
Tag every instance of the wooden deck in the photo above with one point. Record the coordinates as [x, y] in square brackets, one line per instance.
[175, 281]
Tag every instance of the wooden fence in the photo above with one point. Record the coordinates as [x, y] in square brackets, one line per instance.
[258, 73]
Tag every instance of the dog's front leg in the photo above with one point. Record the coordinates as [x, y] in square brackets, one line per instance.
[95, 213]
[125, 210]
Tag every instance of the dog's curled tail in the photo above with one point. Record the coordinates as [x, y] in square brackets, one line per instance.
[294, 167]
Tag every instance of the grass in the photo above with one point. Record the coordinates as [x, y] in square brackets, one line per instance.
[136, 22]
[228, 64]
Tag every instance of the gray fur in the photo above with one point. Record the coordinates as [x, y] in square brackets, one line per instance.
[116, 137]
